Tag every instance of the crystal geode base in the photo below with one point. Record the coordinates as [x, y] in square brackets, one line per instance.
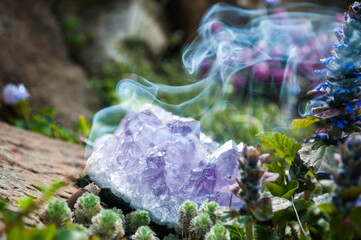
[155, 161]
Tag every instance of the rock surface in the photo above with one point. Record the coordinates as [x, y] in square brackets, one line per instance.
[156, 161]
[110, 23]
[33, 53]
[27, 158]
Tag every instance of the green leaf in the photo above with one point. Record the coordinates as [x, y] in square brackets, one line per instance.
[328, 208]
[283, 191]
[319, 156]
[303, 123]
[351, 193]
[70, 234]
[355, 216]
[49, 191]
[291, 187]
[19, 232]
[277, 167]
[236, 232]
[283, 146]
[84, 126]
[229, 217]
[262, 234]
[282, 217]
[279, 204]
[276, 189]
[338, 229]
[263, 210]
[26, 202]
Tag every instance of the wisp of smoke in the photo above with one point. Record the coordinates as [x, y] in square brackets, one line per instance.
[254, 51]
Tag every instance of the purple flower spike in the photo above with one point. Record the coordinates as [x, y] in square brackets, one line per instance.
[12, 94]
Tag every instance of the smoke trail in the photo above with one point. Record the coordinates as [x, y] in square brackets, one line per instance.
[257, 51]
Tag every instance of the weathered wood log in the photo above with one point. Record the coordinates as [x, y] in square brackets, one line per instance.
[27, 159]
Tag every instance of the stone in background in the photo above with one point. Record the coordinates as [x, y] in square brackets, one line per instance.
[32, 52]
[110, 23]
[27, 159]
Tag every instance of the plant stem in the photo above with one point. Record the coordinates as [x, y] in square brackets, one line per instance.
[249, 230]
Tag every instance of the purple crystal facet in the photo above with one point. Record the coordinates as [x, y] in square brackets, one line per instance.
[156, 161]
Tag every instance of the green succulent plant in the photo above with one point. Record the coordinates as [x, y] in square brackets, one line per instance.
[200, 225]
[136, 219]
[210, 208]
[187, 211]
[57, 212]
[107, 225]
[144, 233]
[86, 207]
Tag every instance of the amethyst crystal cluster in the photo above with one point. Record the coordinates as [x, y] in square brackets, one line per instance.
[156, 161]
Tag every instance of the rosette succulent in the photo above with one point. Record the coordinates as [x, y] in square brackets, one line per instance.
[144, 233]
[57, 212]
[136, 219]
[200, 225]
[107, 225]
[210, 208]
[86, 207]
[187, 211]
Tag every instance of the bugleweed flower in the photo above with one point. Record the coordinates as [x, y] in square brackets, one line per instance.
[200, 225]
[248, 188]
[86, 207]
[144, 233]
[218, 232]
[348, 176]
[12, 94]
[336, 102]
[186, 213]
[210, 208]
[136, 219]
[57, 212]
[107, 225]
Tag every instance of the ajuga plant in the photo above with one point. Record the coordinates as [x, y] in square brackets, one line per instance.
[335, 104]
[86, 207]
[218, 232]
[348, 176]
[136, 219]
[57, 212]
[107, 225]
[144, 233]
[344, 209]
[255, 207]
[187, 211]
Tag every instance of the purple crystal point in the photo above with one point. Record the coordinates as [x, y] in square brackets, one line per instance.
[156, 160]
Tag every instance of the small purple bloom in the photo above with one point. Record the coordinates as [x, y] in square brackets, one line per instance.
[338, 122]
[349, 107]
[12, 94]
